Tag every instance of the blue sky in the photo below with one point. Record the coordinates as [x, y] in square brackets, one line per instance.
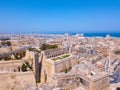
[59, 16]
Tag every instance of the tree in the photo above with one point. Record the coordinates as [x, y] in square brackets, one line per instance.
[8, 43]
[4, 39]
[4, 43]
[48, 46]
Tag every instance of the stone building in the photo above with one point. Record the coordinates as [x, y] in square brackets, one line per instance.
[91, 79]
[82, 76]
[55, 61]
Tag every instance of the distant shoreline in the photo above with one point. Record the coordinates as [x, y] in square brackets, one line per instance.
[101, 34]
[112, 34]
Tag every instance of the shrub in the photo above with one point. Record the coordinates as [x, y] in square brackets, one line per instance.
[1, 57]
[117, 52]
[48, 46]
[65, 70]
[6, 58]
[65, 56]
[25, 66]
[34, 49]
[7, 43]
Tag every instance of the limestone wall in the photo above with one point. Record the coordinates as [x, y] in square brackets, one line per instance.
[14, 42]
[51, 67]
[60, 65]
[65, 63]
[3, 50]
[54, 52]
[101, 84]
[12, 65]
[17, 81]
[29, 55]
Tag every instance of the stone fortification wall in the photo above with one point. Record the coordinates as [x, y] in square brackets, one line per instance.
[51, 67]
[11, 66]
[29, 55]
[17, 81]
[60, 65]
[54, 52]
[7, 49]
[3, 50]
[65, 63]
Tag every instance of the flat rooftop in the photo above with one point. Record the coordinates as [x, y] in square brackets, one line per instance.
[95, 75]
[60, 57]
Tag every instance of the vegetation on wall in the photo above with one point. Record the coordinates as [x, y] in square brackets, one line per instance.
[15, 56]
[26, 66]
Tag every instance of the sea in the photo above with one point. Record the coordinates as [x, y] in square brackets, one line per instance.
[100, 34]
[88, 34]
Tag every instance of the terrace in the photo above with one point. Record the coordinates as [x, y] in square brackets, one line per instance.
[60, 57]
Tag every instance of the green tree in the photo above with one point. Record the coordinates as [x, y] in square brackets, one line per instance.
[48, 46]
[8, 43]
